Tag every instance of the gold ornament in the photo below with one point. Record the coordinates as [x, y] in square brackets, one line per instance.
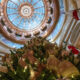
[65, 53]
[25, 69]
[67, 69]
[52, 63]
[32, 73]
[22, 62]
[0, 75]
[3, 69]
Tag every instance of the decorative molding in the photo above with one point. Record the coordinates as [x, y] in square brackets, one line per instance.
[75, 34]
[55, 38]
[66, 29]
[68, 4]
[6, 46]
[77, 43]
[68, 36]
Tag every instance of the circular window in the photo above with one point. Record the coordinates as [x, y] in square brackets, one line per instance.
[24, 19]
[28, 15]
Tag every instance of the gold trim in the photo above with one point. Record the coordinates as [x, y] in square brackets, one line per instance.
[77, 43]
[66, 31]
[56, 15]
[74, 4]
[70, 32]
[65, 5]
[60, 30]
[6, 45]
[2, 53]
[28, 4]
[74, 32]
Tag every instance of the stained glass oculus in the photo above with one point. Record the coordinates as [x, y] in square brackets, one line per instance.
[23, 19]
[25, 14]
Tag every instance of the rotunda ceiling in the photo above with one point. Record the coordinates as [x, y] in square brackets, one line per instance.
[23, 19]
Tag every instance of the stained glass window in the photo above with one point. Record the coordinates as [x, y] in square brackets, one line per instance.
[27, 16]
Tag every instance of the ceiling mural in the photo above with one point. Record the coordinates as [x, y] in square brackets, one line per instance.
[21, 20]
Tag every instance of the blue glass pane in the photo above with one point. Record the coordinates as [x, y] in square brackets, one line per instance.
[17, 21]
[41, 10]
[16, 2]
[11, 5]
[21, 24]
[38, 4]
[33, 1]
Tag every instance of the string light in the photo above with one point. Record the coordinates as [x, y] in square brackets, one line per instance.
[32, 74]
[25, 69]
[0, 75]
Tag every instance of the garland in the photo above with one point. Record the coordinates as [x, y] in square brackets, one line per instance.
[41, 60]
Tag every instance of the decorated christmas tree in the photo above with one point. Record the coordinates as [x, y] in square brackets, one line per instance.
[41, 60]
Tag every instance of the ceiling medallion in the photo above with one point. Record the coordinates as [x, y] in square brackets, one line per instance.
[23, 19]
[26, 10]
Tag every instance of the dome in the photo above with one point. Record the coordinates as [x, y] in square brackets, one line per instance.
[21, 20]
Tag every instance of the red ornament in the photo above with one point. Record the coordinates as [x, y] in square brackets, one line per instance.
[74, 50]
[75, 14]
